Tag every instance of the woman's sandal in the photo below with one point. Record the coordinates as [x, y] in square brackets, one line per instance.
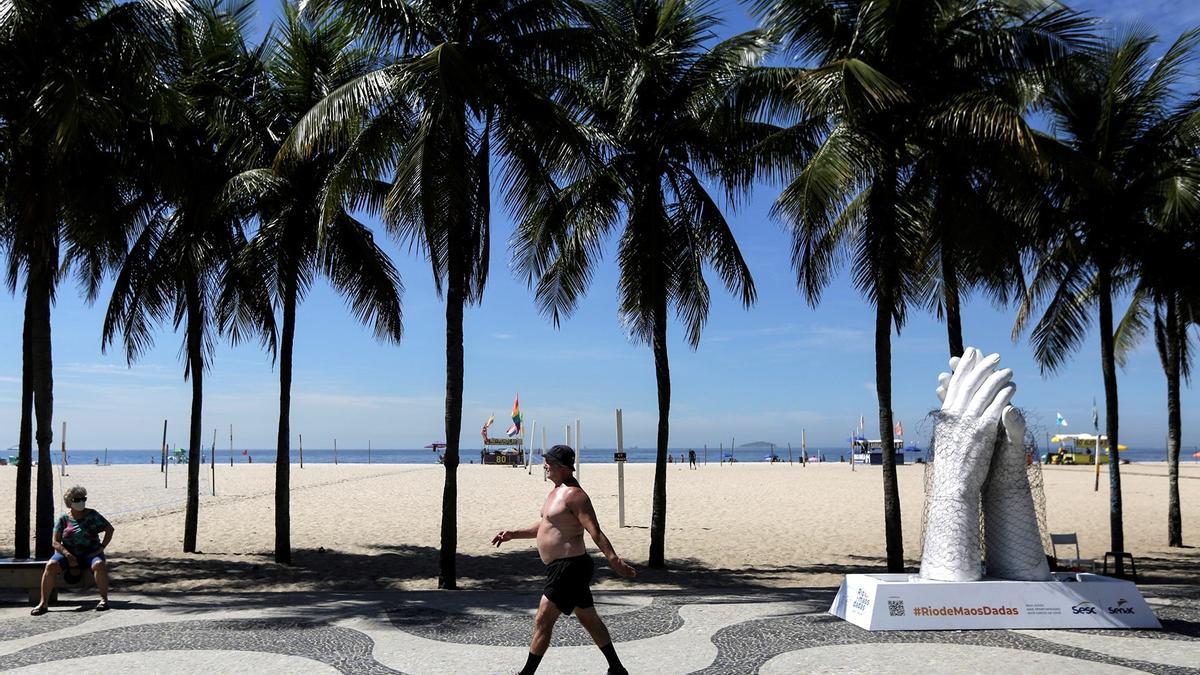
[37, 611]
[101, 606]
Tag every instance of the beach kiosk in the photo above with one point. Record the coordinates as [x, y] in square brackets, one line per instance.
[503, 451]
[867, 451]
[1079, 449]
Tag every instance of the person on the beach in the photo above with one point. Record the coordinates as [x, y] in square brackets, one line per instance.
[76, 543]
[691, 459]
[566, 514]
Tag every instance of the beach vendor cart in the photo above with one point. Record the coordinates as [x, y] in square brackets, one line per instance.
[870, 451]
[509, 451]
[503, 451]
[1079, 449]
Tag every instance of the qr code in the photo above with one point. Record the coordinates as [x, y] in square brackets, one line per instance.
[895, 607]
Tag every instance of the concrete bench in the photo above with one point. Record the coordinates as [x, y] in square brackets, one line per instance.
[27, 574]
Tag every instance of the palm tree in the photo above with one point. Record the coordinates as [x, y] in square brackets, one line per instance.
[890, 85]
[78, 75]
[466, 82]
[179, 262]
[1166, 302]
[1123, 144]
[976, 177]
[659, 101]
[296, 238]
[1167, 296]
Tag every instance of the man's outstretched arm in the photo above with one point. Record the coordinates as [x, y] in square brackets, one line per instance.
[524, 533]
[587, 517]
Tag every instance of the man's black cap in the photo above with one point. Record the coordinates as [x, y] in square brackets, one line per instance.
[562, 455]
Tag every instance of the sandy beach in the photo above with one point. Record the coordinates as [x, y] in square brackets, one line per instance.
[747, 524]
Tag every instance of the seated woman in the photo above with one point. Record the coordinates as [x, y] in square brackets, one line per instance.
[76, 543]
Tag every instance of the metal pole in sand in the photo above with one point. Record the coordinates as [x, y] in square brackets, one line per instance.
[62, 467]
[212, 463]
[620, 473]
[163, 465]
[335, 452]
[803, 448]
[578, 451]
[789, 454]
[529, 450]
[706, 454]
[106, 457]
[721, 456]
[230, 445]
[301, 451]
[543, 451]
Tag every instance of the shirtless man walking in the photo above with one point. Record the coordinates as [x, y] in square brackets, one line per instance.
[566, 514]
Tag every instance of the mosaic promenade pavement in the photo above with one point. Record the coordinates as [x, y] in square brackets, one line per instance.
[660, 632]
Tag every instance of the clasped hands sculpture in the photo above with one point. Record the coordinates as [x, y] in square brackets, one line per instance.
[980, 458]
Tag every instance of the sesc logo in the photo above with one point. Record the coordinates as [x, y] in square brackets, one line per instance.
[1121, 608]
[1084, 608]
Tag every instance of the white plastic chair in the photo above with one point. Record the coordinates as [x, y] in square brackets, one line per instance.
[1065, 540]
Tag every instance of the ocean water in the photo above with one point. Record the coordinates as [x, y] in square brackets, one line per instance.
[467, 456]
[417, 456]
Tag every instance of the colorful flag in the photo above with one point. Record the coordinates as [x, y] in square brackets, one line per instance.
[488, 423]
[899, 428]
[515, 429]
[1060, 420]
[862, 424]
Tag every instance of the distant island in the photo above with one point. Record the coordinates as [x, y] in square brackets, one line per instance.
[757, 444]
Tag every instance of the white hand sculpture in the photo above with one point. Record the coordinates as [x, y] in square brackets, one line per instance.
[1012, 541]
[974, 396]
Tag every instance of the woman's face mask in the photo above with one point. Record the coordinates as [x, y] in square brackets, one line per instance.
[78, 506]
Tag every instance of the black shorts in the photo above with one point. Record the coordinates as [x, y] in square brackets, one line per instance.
[568, 583]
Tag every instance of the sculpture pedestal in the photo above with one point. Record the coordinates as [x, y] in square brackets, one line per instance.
[1071, 600]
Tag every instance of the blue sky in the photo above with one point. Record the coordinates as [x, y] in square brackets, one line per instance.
[762, 374]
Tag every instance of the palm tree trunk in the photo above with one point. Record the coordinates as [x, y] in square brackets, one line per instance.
[283, 448]
[662, 376]
[40, 284]
[1174, 424]
[893, 533]
[1109, 367]
[953, 309]
[25, 442]
[195, 350]
[455, 300]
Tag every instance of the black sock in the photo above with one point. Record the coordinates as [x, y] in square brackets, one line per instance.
[614, 663]
[531, 664]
